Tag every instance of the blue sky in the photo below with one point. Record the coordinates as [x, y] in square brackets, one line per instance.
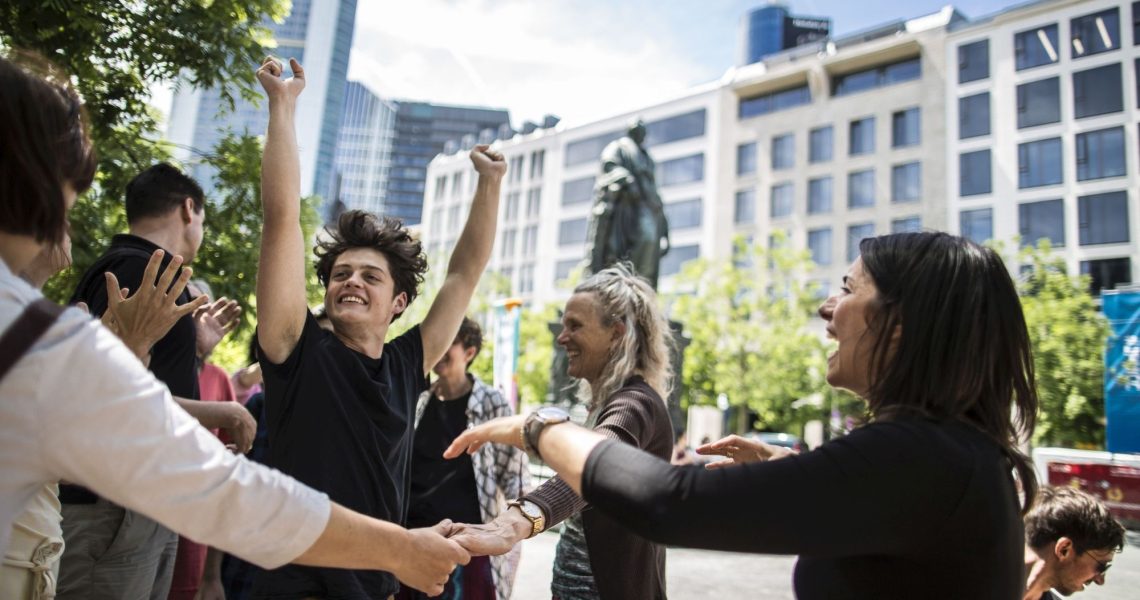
[579, 59]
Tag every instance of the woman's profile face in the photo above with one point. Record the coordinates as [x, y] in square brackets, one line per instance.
[846, 314]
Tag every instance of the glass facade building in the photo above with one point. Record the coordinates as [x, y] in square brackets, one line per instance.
[385, 147]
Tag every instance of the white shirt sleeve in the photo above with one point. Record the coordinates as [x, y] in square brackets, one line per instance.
[105, 422]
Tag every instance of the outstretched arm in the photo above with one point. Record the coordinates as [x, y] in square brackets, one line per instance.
[468, 259]
[281, 268]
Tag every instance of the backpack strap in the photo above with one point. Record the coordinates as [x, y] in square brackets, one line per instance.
[27, 328]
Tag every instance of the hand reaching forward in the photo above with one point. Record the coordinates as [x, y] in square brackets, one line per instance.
[488, 162]
[504, 430]
[146, 316]
[429, 558]
[741, 450]
[212, 322]
[269, 74]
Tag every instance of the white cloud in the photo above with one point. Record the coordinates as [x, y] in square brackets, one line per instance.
[580, 61]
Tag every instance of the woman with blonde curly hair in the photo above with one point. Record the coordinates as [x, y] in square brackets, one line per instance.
[617, 343]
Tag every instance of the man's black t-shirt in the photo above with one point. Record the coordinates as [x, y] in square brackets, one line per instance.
[341, 422]
[441, 488]
[173, 357]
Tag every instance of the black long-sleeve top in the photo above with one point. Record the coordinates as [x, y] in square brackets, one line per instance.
[910, 508]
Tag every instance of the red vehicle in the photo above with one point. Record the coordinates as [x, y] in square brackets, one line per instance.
[1112, 477]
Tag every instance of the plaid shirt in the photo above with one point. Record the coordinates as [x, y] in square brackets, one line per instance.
[501, 472]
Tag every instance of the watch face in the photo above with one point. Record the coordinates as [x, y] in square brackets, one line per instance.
[552, 414]
[530, 509]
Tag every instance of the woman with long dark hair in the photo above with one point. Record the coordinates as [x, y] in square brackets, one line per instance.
[920, 502]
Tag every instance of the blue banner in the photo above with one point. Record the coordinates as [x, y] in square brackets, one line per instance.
[1122, 370]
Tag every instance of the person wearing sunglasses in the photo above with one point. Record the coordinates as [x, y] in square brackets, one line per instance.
[1070, 541]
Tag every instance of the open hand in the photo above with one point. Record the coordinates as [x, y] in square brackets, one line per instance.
[147, 315]
[488, 162]
[269, 74]
[740, 450]
[504, 430]
[213, 321]
[429, 558]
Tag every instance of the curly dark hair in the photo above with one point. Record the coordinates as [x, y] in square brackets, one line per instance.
[471, 336]
[388, 236]
[1077, 515]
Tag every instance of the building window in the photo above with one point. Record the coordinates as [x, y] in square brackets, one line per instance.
[507, 249]
[856, 234]
[515, 172]
[974, 173]
[440, 186]
[563, 268]
[1039, 102]
[672, 129]
[1107, 274]
[526, 279]
[530, 241]
[1103, 218]
[906, 225]
[861, 189]
[977, 225]
[457, 184]
[783, 200]
[898, 72]
[672, 262]
[1135, 23]
[1044, 219]
[820, 144]
[537, 163]
[745, 212]
[774, 101]
[1039, 163]
[572, 232]
[511, 208]
[1098, 91]
[687, 169]
[974, 115]
[578, 191]
[1100, 154]
[783, 151]
[862, 140]
[533, 202]
[1095, 33]
[819, 196]
[508, 273]
[906, 182]
[685, 214]
[746, 158]
[589, 149]
[1036, 47]
[819, 243]
[973, 61]
[906, 128]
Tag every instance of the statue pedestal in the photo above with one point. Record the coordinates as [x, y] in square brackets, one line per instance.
[563, 389]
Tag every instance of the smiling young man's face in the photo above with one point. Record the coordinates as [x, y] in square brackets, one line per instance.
[361, 290]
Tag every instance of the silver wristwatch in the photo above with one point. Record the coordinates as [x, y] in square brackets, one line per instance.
[536, 421]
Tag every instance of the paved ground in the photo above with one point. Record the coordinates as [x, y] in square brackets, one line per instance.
[698, 574]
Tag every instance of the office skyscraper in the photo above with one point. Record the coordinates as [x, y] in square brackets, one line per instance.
[770, 29]
[319, 34]
[385, 146]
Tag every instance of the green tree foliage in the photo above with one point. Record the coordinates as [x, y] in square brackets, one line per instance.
[536, 351]
[116, 52]
[1068, 334]
[231, 246]
[748, 320]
